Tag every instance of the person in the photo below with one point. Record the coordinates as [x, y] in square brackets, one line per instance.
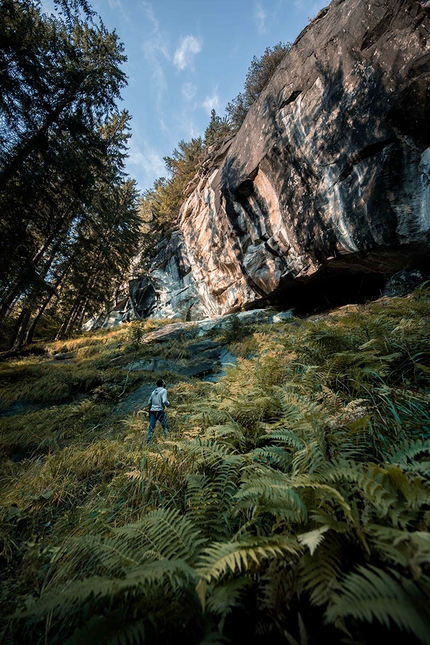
[157, 402]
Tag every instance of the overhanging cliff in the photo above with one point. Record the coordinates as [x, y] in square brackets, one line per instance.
[328, 177]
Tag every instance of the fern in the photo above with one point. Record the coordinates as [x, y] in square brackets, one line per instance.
[161, 535]
[244, 555]
[321, 572]
[210, 499]
[165, 574]
[407, 549]
[109, 630]
[372, 593]
[407, 455]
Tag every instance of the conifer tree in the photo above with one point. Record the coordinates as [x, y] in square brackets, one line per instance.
[62, 141]
[258, 76]
[60, 80]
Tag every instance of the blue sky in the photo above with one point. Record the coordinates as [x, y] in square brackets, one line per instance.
[186, 57]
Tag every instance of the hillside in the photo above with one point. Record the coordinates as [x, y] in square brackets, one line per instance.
[290, 501]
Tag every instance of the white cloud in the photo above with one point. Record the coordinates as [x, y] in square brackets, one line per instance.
[156, 53]
[189, 91]
[211, 102]
[260, 18]
[147, 160]
[115, 4]
[118, 6]
[189, 47]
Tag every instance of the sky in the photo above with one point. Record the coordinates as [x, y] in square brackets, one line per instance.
[186, 57]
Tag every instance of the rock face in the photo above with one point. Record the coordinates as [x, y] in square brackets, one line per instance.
[328, 176]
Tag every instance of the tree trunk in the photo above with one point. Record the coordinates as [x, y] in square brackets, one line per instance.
[73, 320]
[11, 339]
[30, 333]
[19, 337]
[36, 319]
[24, 280]
[62, 332]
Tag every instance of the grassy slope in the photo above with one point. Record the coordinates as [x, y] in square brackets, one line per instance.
[324, 433]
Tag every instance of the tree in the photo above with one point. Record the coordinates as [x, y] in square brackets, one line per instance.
[86, 265]
[59, 83]
[160, 205]
[218, 128]
[106, 245]
[63, 142]
[258, 76]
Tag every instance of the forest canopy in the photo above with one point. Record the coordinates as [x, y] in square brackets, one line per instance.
[69, 223]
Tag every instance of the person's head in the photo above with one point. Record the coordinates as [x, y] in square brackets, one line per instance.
[160, 383]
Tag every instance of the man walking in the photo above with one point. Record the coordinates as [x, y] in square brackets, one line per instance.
[157, 402]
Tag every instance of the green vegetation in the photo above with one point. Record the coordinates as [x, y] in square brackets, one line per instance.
[258, 76]
[69, 223]
[289, 505]
[159, 206]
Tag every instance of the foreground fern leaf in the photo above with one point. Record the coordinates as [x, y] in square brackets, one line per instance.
[375, 594]
[244, 555]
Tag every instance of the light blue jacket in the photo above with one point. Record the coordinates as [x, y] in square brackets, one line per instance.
[158, 399]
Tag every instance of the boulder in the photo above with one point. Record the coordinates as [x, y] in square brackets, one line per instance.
[403, 282]
[168, 291]
[325, 188]
[328, 175]
[283, 316]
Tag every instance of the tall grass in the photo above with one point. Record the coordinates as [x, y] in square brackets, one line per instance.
[289, 503]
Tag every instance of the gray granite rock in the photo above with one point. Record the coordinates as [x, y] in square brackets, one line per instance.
[283, 316]
[329, 173]
[403, 282]
[331, 166]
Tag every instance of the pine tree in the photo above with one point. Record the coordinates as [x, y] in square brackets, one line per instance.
[258, 76]
[61, 78]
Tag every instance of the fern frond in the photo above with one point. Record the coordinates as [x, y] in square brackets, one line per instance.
[243, 555]
[289, 438]
[312, 539]
[227, 430]
[407, 454]
[408, 549]
[292, 497]
[415, 492]
[274, 456]
[109, 630]
[161, 535]
[271, 491]
[321, 572]
[373, 594]
[210, 499]
[224, 597]
[310, 459]
[208, 452]
[163, 532]
[371, 481]
[169, 575]
[299, 410]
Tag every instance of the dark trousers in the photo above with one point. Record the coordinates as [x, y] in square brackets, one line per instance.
[155, 416]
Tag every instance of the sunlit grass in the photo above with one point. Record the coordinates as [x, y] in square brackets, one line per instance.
[355, 383]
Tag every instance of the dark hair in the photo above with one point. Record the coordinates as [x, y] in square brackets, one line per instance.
[160, 383]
